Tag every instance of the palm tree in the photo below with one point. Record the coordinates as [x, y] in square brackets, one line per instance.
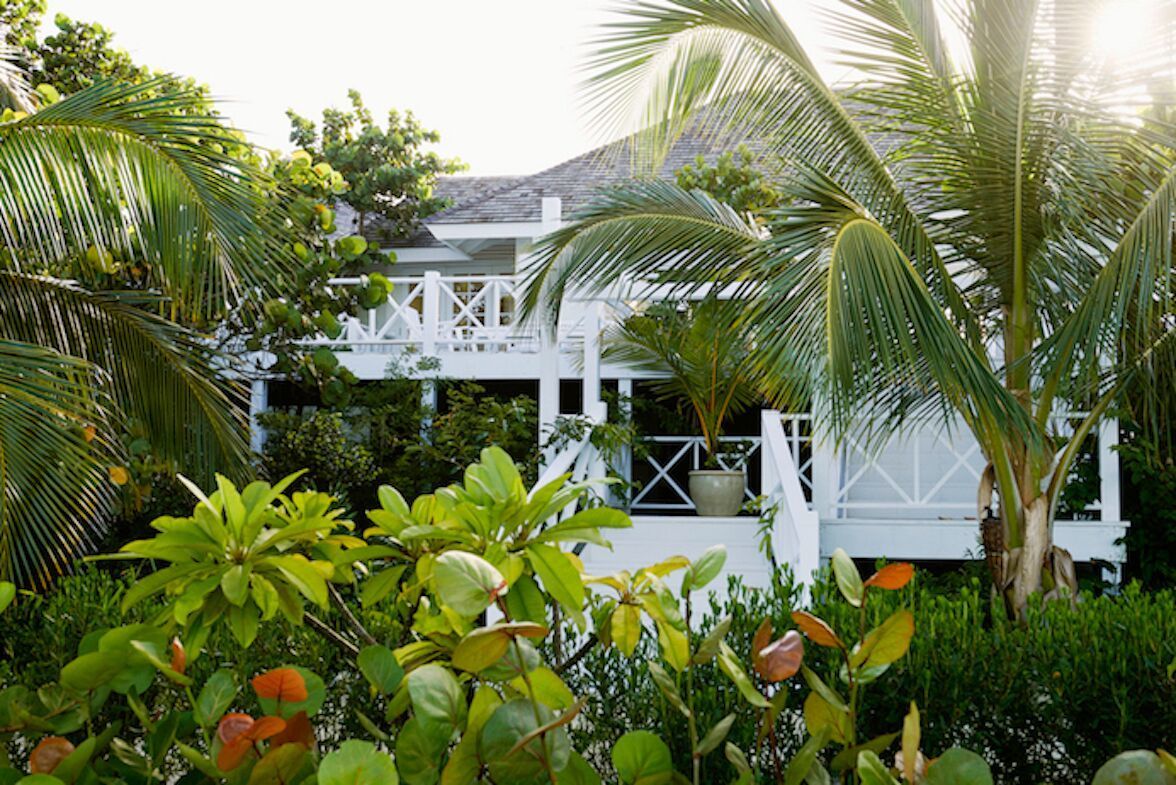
[125, 224]
[696, 353]
[975, 234]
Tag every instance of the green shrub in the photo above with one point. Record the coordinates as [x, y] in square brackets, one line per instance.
[1046, 701]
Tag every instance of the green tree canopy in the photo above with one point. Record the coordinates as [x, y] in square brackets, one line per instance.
[390, 173]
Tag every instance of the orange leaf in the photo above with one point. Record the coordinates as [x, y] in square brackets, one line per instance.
[892, 576]
[284, 685]
[298, 731]
[233, 753]
[265, 728]
[817, 630]
[241, 736]
[781, 659]
[760, 641]
[179, 658]
[89, 432]
[51, 751]
[119, 475]
[233, 725]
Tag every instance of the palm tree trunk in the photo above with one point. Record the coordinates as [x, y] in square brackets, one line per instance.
[1028, 569]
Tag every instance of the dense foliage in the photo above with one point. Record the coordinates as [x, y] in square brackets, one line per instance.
[469, 621]
[391, 171]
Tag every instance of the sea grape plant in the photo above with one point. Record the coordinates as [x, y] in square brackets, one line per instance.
[242, 558]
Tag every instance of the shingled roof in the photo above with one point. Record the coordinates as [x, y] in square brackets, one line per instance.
[575, 182]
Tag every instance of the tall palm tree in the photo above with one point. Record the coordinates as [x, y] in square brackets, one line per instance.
[974, 233]
[117, 178]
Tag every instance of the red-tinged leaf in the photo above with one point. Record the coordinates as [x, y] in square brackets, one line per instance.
[234, 752]
[817, 630]
[179, 658]
[265, 728]
[781, 659]
[51, 751]
[298, 730]
[892, 576]
[232, 726]
[760, 641]
[284, 685]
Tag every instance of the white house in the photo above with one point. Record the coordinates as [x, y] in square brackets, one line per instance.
[456, 285]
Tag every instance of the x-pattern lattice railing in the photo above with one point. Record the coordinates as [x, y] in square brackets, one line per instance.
[686, 454]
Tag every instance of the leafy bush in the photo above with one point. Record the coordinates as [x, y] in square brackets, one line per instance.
[1044, 701]
[454, 628]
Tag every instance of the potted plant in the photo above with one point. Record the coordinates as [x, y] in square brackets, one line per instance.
[701, 355]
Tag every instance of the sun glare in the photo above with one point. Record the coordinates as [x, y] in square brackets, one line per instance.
[1121, 27]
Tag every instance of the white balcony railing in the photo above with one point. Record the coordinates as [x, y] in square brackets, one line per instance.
[435, 313]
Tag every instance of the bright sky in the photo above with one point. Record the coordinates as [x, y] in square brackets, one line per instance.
[497, 78]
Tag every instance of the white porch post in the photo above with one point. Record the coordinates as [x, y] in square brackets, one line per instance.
[551, 216]
[1108, 475]
[258, 403]
[625, 393]
[430, 319]
[591, 356]
[824, 477]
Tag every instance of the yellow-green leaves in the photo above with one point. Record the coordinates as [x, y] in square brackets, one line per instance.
[485, 646]
[885, 643]
[625, 628]
[357, 763]
[560, 576]
[704, 569]
[7, 594]
[467, 583]
[730, 665]
[911, 736]
[849, 580]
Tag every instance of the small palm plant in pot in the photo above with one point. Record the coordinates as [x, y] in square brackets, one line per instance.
[699, 352]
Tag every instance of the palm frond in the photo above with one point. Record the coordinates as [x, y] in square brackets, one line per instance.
[135, 171]
[642, 233]
[15, 91]
[56, 448]
[163, 375]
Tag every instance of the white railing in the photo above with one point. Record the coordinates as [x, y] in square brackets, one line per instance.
[930, 472]
[437, 312]
[679, 455]
[796, 529]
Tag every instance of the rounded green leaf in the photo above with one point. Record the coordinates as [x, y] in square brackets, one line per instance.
[437, 698]
[963, 767]
[214, 699]
[1136, 767]
[885, 643]
[357, 763]
[7, 594]
[641, 758]
[510, 724]
[467, 583]
[381, 668]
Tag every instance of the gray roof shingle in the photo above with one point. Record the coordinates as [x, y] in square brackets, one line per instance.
[575, 181]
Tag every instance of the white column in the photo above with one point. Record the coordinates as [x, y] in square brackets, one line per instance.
[548, 388]
[1108, 470]
[258, 403]
[1109, 500]
[625, 394]
[591, 356]
[430, 319]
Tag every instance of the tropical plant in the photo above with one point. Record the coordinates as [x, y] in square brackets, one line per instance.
[973, 233]
[126, 221]
[392, 176]
[697, 351]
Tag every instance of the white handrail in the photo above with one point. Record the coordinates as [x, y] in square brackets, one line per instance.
[796, 530]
